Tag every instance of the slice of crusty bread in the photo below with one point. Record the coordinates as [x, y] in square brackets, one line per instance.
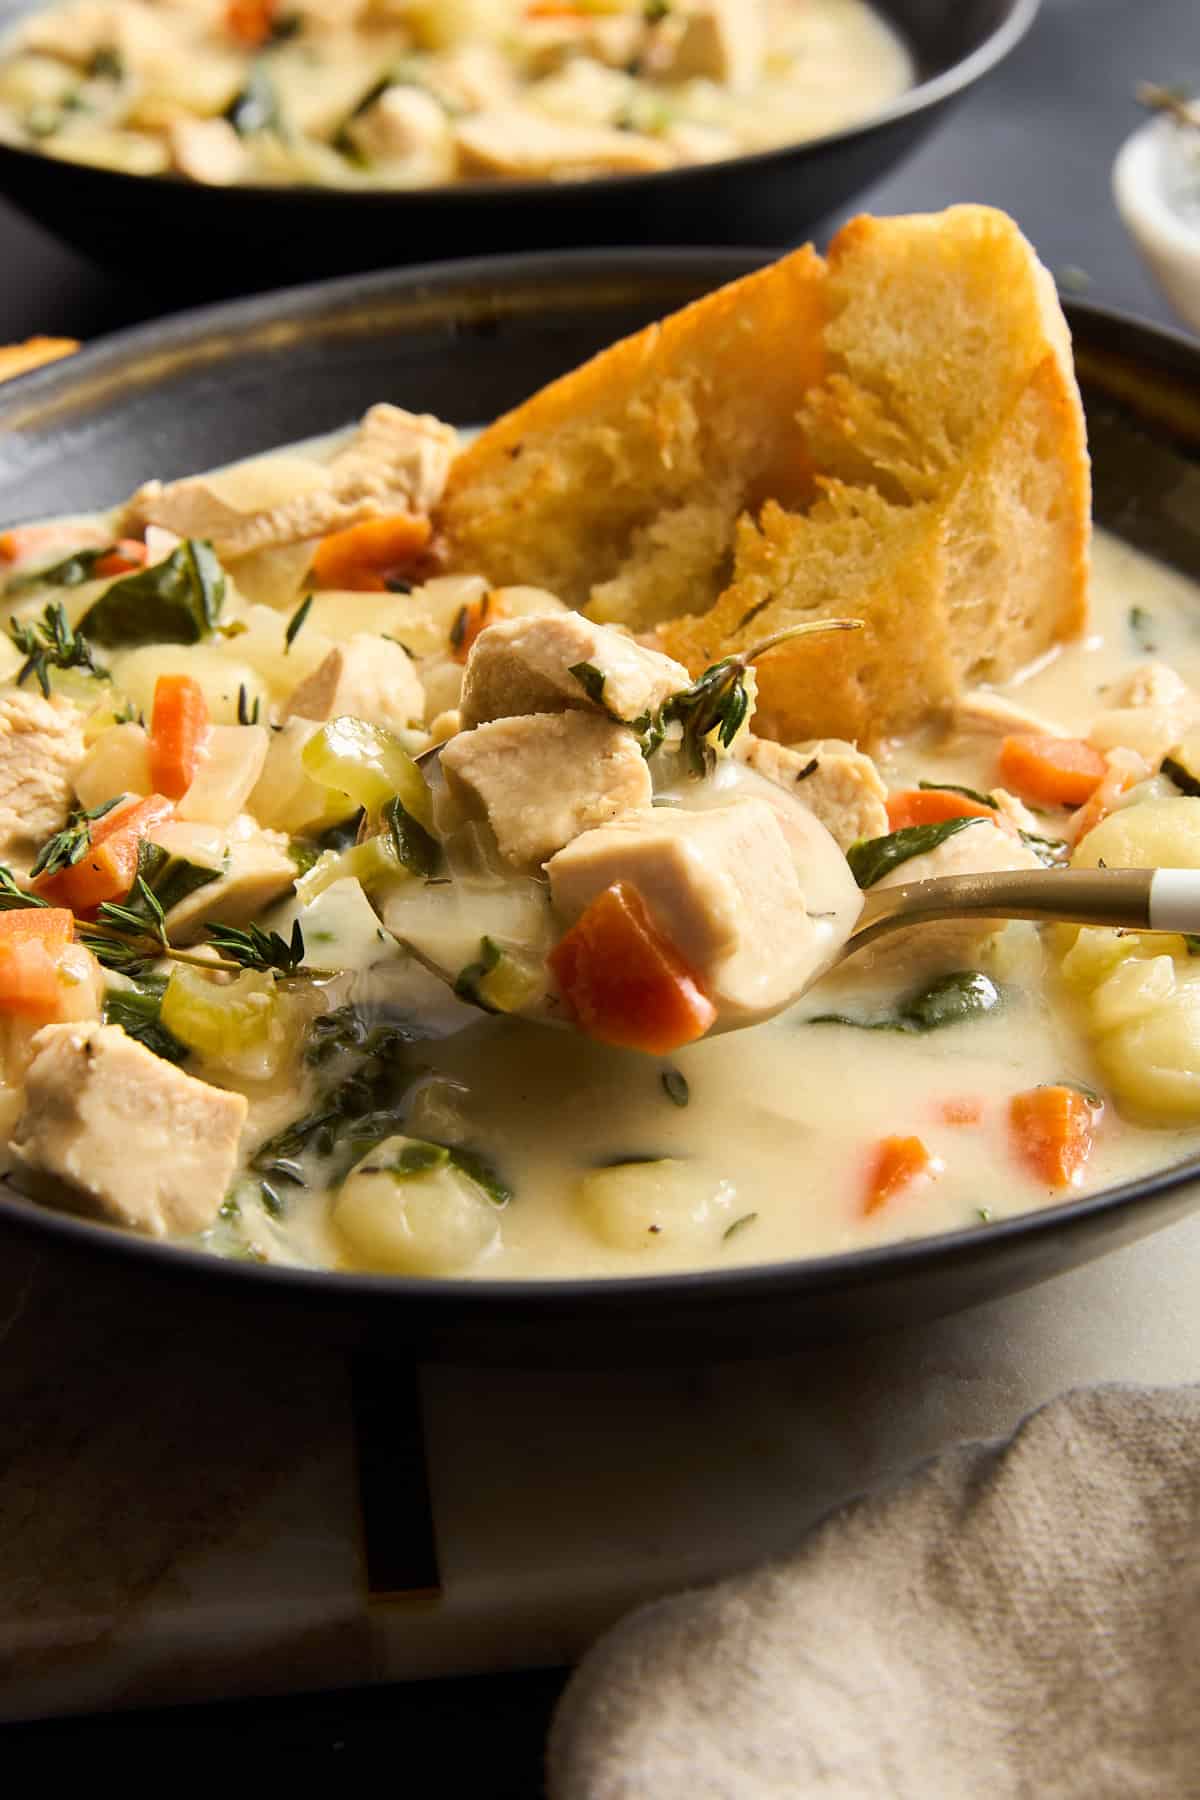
[920, 449]
[620, 485]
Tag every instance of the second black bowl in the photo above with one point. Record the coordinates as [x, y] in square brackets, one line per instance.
[183, 238]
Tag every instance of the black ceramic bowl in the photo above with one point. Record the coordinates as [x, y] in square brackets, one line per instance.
[203, 242]
[467, 340]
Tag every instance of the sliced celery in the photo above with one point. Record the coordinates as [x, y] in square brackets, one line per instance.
[371, 862]
[369, 764]
[236, 1024]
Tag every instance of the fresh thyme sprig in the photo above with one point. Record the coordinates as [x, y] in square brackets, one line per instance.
[13, 898]
[72, 843]
[50, 643]
[1169, 100]
[261, 950]
[718, 704]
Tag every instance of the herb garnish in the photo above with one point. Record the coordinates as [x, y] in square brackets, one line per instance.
[14, 898]
[591, 679]
[738, 1225]
[948, 787]
[176, 601]
[1141, 624]
[416, 850]
[675, 1086]
[52, 644]
[871, 859]
[138, 1011]
[71, 572]
[247, 714]
[718, 704]
[295, 624]
[950, 1000]
[466, 983]
[257, 949]
[72, 843]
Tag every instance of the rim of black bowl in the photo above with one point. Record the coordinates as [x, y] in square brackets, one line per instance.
[930, 92]
[794, 1276]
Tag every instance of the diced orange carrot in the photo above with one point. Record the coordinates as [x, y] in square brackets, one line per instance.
[108, 869]
[365, 556]
[250, 21]
[178, 726]
[1056, 771]
[961, 1111]
[624, 983]
[126, 555]
[29, 979]
[470, 621]
[53, 926]
[1053, 1130]
[895, 1164]
[931, 806]
[39, 540]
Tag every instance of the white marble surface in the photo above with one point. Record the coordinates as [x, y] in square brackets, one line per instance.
[180, 1520]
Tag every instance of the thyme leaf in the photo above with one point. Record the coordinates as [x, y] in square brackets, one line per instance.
[51, 643]
[295, 624]
[254, 948]
[13, 898]
[72, 843]
[675, 1087]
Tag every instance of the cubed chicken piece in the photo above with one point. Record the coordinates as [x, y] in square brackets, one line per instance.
[367, 677]
[1149, 684]
[524, 666]
[133, 1139]
[838, 783]
[253, 870]
[754, 915]
[207, 150]
[41, 747]
[724, 41]
[952, 943]
[542, 780]
[984, 714]
[396, 462]
[514, 141]
[405, 124]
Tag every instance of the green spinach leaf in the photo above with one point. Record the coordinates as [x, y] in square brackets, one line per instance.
[871, 859]
[177, 601]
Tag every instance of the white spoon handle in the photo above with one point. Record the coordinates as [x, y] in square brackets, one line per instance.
[1175, 900]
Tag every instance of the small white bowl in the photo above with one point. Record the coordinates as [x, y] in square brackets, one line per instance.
[1147, 174]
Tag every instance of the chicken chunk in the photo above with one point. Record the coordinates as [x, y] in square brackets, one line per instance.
[253, 869]
[207, 150]
[542, 780]
[41, 747]
[720, 40]
[835, 781]
[367, 677]
[133, 1139]
[984, 714]
[396, 462]
[953, 943]
[405, 124]
[754, 915]
[524, 666]
[511, 140]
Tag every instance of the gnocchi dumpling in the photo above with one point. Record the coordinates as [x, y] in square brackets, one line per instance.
[1150, 1053]
[409, 1209]
[665, 1204]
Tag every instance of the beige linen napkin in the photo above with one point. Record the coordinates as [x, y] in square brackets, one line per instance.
[1013, 1620]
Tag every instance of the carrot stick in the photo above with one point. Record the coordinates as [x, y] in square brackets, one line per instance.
[624, 983]
[931, 806]
[1053, 1131]
[1056, 771]
[126, 555]
[895, 1164]
[38, 540]
[250, 21]
[108, 869]
[365, 556]
[178, 726]
[470, 621]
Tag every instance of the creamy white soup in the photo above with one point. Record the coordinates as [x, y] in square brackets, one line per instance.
[269, 986]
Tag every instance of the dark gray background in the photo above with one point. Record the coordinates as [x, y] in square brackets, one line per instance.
[1038, 138]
